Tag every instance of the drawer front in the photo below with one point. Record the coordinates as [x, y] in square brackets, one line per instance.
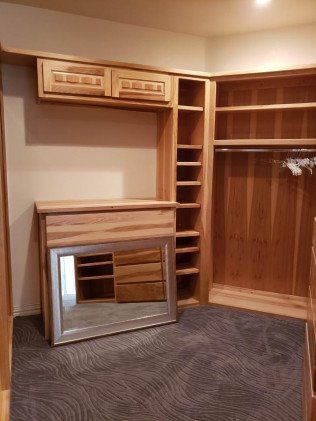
[147, 272]
[148, 86]
[153, 291]
[103, 227]
[133, 257]
[61, 77]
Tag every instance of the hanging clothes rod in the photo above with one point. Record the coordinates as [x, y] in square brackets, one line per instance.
[266, 150]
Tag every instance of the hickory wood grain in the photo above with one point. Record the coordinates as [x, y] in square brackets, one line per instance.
[152, 291]
[63, 206]
[138, 273]
[261, 301]
[263, 224]
[85, 228]
[128, 257]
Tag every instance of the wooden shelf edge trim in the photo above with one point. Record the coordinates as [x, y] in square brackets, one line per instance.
[187, 146]
[84, 265]
[192, 249]
[265, 142]
[187, 233]
[188, 183]
[188, 302]
[241, 108]
[260, 301]
[187, 270]
[189, 164]
[92, 278]
[189, 206]
[190, 108]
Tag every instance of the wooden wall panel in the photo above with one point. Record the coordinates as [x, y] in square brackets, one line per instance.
[263, 219]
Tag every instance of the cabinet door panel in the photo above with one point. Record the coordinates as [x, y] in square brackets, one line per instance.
[148, 86]
[61, 77]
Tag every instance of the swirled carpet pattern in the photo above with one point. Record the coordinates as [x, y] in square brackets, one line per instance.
[215, 364]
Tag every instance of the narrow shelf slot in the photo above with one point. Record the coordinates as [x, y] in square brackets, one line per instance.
[189, 164]
[193, 147]
[81, 265]
[188, 183]
[189, 206]
[190, 108]
[90, 278]
[185, 269]
[188, 249]
[187, 233]
[188, 302]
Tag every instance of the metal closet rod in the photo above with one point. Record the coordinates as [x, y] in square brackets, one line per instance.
[297, 150]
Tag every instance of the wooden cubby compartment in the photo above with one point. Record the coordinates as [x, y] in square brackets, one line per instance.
[279, 109]
[94, 277]
[191, 92]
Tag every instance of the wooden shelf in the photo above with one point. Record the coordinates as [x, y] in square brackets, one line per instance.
[189, 206]
[187, 249]
[82, 265]
[187, 233]
[188, 302]
[185, 269]
[188, 183]
[265, 142]
[189, 164]
[90, 278]
[97, 300]
[297, 106]
[190, 108]
[193, 147]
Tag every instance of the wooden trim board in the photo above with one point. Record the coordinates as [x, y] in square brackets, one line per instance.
[260, 301]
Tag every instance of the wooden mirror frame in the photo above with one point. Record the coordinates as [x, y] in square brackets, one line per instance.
[60, 337]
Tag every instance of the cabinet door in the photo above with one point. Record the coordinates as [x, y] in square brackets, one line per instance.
[61, 77]
[133, 84]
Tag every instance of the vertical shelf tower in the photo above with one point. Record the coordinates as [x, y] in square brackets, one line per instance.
[185, 175]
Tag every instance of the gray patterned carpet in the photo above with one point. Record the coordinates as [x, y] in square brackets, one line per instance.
[215, 365]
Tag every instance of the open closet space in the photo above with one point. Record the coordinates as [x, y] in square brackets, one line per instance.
[158, 210]
[263, 222]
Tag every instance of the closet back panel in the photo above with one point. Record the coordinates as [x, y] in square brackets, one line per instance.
[263, 220]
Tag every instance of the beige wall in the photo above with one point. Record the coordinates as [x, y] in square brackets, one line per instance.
[34, 28]
[262, 50]
[65, 152]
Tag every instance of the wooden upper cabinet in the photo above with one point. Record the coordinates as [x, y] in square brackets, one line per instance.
[61, 77]
[133, 84]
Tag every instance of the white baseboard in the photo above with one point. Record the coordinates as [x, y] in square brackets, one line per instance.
[26, 310]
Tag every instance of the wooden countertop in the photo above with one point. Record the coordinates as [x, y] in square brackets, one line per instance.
[62, 206]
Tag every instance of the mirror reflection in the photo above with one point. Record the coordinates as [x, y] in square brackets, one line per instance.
[104, 287]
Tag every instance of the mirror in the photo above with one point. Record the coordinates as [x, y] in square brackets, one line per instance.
[109, 288]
